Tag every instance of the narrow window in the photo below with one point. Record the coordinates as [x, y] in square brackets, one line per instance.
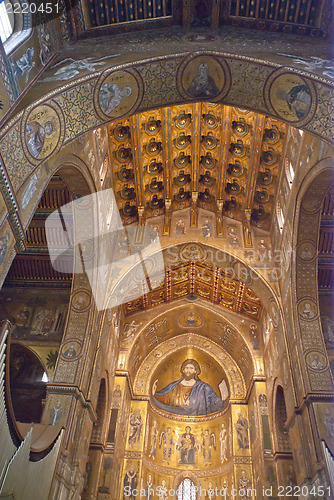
[186, 490]
[6, 20]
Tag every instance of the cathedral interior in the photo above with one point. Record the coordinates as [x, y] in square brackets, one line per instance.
[166, 249]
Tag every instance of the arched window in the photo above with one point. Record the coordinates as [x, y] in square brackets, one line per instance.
[186, 490]
[280, 216]
[14, 27]
[6, 20]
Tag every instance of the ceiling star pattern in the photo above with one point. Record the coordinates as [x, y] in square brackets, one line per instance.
[215, 157]
[201, 280]
[308, 17]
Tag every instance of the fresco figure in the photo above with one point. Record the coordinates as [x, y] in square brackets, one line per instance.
[70, 352]
[22, 317]
[149, 488]
[162, 491]
[180, 227]
[136, 425]
[299, 100]
[223, 444]
[56, 413]
[29, 191]
[210, 492]
[74, 67]
[24, 65]
[208, 441]
[291, 477]
[253, 336]
[188, 395]
[224, 492]
[241, 426]
[167, 440]
[35, 136]
[244, 486]
[316, 363]
[130, 484]
[111, 96]
[187, 447]
[203, 84]
[153, 440]
[207, 230]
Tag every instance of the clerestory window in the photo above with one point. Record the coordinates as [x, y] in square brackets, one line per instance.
[15, 23]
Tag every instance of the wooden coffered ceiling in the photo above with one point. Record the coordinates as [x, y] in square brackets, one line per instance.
[202, 155]
[199, 279]
[33, 267]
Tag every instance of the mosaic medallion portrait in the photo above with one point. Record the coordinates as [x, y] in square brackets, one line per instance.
[203, 77]
[118, 94]
[41, 132]
[291, 97]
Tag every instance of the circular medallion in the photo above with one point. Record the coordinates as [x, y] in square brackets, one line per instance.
[306, 251]
[307, 309]
[242, 272]
[42, 131]
[81, 300]
[71, 350]
[190, 319]
[118, 93]
[311, 204]
[203, 77]
[192, 252]
[274, 314]
[290, 96]
[316, 361]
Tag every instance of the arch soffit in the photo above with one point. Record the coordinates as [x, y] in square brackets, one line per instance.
[63, 99]
[254, 280]
[228, 337]
[161, 352]
[225, 317]
[272, 413]
[304, 276]
[33, 352]
[72, 169]
[74, 172]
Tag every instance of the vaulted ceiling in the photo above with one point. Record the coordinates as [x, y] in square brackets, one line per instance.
[201, 155]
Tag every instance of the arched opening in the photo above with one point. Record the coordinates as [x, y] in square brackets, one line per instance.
[35, 299]
[100, 412]
[15, 25]
[6, 20]
[280, 421]
[27, 384]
